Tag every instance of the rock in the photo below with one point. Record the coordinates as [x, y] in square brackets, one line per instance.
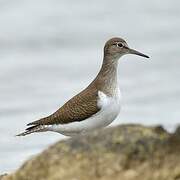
[126, 152]
[1, 176]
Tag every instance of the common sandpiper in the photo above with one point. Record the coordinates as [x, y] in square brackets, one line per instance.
[94, 107]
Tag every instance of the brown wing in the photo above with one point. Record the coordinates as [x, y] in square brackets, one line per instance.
[78, 108]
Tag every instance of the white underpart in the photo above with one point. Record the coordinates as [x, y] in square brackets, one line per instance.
[110, 108]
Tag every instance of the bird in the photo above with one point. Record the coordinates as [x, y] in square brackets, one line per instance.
[96, 106]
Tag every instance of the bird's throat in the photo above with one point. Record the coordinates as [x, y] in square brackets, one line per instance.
[106, 79]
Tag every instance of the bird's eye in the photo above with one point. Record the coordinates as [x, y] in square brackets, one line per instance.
[120, 45]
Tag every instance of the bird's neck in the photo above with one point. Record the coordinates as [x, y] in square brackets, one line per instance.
[106, 79]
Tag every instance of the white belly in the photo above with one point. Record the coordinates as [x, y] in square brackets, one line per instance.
[110, 108]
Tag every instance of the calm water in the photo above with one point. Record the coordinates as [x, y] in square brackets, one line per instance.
[50, 50]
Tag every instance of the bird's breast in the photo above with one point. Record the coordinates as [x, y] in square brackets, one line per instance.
[109, 105]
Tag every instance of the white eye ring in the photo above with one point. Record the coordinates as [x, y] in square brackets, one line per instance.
[121, 45]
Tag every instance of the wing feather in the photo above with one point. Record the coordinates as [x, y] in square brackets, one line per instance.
[80, 107]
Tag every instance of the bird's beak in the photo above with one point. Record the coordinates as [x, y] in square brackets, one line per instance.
[132, 51]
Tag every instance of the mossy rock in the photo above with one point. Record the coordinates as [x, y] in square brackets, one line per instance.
[126, 152]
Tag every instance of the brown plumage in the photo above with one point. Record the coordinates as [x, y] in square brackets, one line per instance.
[85, 104]
[78, 108]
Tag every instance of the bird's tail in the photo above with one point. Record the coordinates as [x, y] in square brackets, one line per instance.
[32, 129]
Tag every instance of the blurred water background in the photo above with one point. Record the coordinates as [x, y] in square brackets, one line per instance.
[50, 50]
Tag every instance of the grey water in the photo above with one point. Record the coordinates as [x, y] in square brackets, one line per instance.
[50, 50]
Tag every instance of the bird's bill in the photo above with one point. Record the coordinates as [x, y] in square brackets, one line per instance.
[132, 51]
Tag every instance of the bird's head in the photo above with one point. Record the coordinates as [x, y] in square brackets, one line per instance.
[117, 47]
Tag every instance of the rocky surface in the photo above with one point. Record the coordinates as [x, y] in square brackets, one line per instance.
[3, 175]
[125, 152]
